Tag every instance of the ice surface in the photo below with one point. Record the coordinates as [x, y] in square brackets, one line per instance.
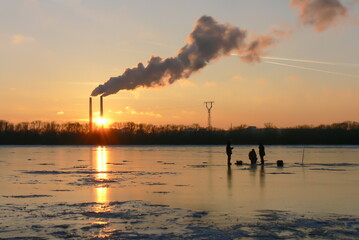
[169, 192]
[139, 220]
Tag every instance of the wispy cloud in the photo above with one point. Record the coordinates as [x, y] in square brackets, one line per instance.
[210, 84]
[186, 112]
[131, 111]
[293, 78]
[60, 113]
[17, 39]
[262, 81]
[237, 77]
[77, 83]
[186, 83]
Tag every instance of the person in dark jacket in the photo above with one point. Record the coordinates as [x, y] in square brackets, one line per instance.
[253, 157]
[229, 152]
[262, 153]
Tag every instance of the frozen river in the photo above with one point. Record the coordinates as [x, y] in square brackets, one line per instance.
[178, 192]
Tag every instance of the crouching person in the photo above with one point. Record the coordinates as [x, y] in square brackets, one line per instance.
[253, 157]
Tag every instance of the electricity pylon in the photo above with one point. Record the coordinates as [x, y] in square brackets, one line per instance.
[209, 106]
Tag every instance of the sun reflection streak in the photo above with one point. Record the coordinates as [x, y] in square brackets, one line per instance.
[101, 190]
[101, 167]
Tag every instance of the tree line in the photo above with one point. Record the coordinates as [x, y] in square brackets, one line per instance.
[130, 133]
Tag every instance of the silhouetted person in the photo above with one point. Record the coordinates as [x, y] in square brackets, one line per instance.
[262, 153]
[229, 153]
[253, 157]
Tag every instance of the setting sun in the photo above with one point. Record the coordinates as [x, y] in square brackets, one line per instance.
[102, 122]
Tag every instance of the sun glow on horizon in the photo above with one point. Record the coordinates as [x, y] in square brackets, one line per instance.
[102, 122]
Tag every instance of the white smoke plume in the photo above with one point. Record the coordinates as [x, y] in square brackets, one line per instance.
[321, 14]
[208, 41]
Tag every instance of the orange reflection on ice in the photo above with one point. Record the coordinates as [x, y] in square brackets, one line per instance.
[101, 161]
[101, 194]
[101, 191]
[101, 167]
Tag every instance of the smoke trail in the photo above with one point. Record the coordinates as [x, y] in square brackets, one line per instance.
[321, 14]
[208, 41]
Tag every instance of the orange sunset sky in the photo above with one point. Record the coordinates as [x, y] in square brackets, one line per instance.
[54, 53]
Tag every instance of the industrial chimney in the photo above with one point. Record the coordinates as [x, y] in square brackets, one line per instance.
[90, 114]
[101, 107]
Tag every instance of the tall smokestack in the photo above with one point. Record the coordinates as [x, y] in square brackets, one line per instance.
[101, 107]
[90, 114]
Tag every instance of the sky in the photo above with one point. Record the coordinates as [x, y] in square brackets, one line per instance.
[54, 53]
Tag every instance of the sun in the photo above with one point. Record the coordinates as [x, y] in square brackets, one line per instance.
[102, 122]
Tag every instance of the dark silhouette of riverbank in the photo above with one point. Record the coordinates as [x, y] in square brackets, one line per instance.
[51, 133]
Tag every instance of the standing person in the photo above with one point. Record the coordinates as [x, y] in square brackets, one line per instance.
[253, 157]
[229, 152]
[262, 153]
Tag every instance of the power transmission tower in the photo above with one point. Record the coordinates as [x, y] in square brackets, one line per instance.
[209, 106]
